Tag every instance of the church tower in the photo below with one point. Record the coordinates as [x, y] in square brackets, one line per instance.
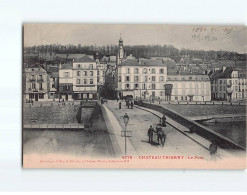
[120, 54]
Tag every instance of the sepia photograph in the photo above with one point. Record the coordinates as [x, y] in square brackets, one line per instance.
[139, 96]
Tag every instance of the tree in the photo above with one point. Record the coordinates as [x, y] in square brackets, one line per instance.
[168, 91]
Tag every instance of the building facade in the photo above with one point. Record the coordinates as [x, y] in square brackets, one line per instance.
[66, 81]
[141, 78]
[85, 78]
[36, 82]
[53, 87]
[228, 84]
[189, 87]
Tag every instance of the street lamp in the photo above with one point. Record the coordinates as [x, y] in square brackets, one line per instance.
[126, 120]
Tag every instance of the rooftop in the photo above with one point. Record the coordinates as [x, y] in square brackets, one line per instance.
[143, 62]
[221, 74]
[66, 66]
[84, 59]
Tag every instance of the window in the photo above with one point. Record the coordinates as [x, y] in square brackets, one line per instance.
[220, 88]
[32, 77]
[40, 86]
[78, 66]
[127, 78]
[153, 71]
[128, 70]
[85, 73]
[136, 78]
[220, 81]
[145, 71]
[146, 78]
[52, 86]
[176, 98]
[78, 81]
[66, 88]
[90, 66]
[136, 70]
[144, 86]
[91, 73]
[33, 86]
[32, 69]
[78, 73]
[66, 74]
[53, 79]
[182, 98]
[91, 81]
[161, 78]
[85, 81]
[153, 78]
[41, 96]
[190, 78]
[127, 86]
[119, 79]
[161, 93]
[236, 88]
[185, 98]
[97, 72]
[136, 86]
[161, 71]
[97, 79]
[153, 86]
[40, 77]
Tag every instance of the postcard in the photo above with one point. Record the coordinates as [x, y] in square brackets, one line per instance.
[134, 96]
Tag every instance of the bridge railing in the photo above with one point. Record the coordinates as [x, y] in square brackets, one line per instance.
[207, 133]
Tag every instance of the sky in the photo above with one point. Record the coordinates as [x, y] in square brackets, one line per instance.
[229, 38]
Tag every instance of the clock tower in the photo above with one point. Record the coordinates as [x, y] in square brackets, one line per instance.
[120, 54]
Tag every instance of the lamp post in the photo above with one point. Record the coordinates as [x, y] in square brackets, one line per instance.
[126, 120]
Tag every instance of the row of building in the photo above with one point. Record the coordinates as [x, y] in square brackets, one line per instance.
[79, 79]
[130, 77]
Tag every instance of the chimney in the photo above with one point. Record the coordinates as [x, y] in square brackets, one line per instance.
[139, 60]
[223, 68]
[60, 65]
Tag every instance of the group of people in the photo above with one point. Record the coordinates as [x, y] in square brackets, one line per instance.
[161, 136]
[129, 104]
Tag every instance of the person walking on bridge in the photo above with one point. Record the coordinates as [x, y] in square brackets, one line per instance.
[150, 134]
[163, 121]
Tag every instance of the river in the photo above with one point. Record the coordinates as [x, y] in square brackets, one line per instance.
[236, 131]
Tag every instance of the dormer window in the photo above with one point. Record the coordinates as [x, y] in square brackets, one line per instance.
[78, 66]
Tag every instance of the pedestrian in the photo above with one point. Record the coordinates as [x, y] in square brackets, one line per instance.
[119, 105]
[131, 104]
[192, 129]
[213, 148]
[150, 134]
[163, 121]
[128, 104]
